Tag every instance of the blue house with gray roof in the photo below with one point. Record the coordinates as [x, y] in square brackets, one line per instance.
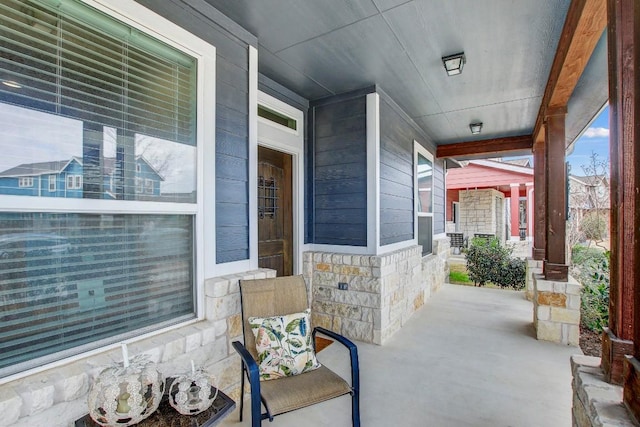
[64, 178]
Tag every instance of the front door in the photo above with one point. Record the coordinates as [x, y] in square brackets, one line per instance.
[275, 214]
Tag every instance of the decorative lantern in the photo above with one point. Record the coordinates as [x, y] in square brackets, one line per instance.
[123, 395]
[192, 394]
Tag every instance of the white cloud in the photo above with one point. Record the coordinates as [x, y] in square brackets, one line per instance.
[596, 133]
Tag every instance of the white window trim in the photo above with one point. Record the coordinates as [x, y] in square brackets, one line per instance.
[286, 140]
[52, 183]
[418, 149]
[149, 185]
[25, 182]
[147, 21]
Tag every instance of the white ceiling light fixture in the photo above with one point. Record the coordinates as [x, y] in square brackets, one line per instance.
[453, 63]
[476, 128]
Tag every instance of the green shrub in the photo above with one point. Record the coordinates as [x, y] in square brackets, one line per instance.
[513, 274]
[489, 261]
[590, 266]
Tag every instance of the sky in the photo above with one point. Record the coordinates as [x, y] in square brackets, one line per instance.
[594, 140]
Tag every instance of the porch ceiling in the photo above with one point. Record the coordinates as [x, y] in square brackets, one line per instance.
[325, 47]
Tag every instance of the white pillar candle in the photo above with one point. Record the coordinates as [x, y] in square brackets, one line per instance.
[193, 367]
[125, 355]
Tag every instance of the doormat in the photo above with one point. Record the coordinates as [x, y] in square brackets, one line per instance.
[322, 343]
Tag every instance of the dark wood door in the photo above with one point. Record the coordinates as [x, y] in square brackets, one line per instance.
[275, 215]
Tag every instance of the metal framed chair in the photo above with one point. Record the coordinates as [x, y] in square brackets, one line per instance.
[279, 296]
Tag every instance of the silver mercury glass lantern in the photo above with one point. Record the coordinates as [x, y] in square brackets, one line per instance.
[125, 394]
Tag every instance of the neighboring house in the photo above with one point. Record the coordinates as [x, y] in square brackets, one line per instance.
[64, 178]
[589, 195]
[491, 197]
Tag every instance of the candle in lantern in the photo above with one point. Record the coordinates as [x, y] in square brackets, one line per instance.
[125, 355]
[123, 403]
[194, 395]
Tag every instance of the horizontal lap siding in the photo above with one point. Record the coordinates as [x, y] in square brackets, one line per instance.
[232, 156]
[396, 176]
[232, 122]
[340, 173]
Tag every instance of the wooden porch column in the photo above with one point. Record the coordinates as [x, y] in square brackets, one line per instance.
[530, 204]
[515, 211]
[618, 338]
[540, 202]
[622, 337]
[555, 265]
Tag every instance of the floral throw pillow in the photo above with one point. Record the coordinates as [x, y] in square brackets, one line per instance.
[284, 345]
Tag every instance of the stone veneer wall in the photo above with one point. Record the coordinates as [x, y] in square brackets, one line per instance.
[382, 291]
[58, 396]
[533, 267]
[482, 211]
[596, 402]
[556, 310]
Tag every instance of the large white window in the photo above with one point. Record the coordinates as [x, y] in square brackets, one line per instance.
[97, 101]
[424, 197]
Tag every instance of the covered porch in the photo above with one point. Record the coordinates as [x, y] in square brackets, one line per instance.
[359, 91]
[469, 358]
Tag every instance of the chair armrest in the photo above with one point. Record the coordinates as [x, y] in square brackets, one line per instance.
[249, 362]
[251, 367]
[334, 335]
[353, 354]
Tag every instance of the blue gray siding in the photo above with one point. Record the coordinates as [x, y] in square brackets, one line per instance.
[232, 117]
[339, 171]
[397, 133]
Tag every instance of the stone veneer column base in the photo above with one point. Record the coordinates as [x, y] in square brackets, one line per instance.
[556, 310]
[370, 297]
[596, 402]
[534, 266]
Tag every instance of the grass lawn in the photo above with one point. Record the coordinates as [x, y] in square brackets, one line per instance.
[458, 275]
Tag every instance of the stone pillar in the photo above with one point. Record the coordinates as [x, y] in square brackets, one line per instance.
[530, 199]
[555, 266]
[515, 212]
[540, 201]
[595, 402]
[624, 100]
[534, 267]
[556, 310]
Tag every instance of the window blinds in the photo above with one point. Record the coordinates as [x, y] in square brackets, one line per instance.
[68, 59]
[68, 280]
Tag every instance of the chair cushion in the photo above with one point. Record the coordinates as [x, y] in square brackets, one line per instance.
[283, 344]
[290, 393]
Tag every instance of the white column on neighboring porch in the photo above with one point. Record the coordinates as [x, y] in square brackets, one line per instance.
[529, 187]
[515, 212]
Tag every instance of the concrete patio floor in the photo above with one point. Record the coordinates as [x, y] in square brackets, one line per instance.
[468, 358]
